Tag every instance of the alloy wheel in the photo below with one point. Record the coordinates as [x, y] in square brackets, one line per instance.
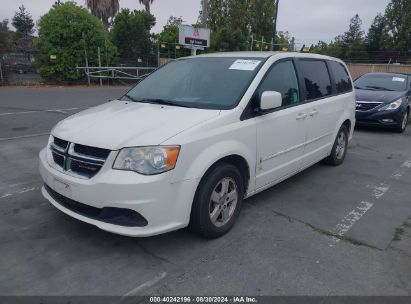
[341, 145]
[223, 202]
[404, 121]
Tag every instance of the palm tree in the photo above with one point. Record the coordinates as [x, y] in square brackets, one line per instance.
[146, 4]
[103, 9]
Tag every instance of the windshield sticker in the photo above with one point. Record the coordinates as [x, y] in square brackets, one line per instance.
[245, 65]
[398, 79]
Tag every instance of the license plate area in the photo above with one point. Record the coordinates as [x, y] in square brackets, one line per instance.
[61, 187]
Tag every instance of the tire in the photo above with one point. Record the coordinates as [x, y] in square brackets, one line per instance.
[215, 209]
[340, 147]
[402, 126]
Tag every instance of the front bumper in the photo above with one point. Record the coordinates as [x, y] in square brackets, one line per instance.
[387, 119]
[164, 205]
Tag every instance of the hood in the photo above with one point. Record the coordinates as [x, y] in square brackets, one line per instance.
[120, 124]
[379, 96]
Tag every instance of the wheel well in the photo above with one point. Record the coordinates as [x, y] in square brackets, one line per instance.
[347, 123]
[240, 163]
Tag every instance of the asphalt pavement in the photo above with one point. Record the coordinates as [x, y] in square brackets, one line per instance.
[325, 231]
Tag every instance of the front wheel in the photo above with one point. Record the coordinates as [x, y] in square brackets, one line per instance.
[217, 202]
[403, 124]
[339, 150]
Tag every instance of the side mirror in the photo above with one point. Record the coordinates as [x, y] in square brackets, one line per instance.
[270, 100]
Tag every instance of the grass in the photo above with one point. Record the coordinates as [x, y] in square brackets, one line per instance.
[398, 233]
[401, 230]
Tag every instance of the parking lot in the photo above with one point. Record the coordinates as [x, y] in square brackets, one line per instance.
[326, 231]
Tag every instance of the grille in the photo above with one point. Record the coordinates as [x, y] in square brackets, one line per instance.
[367, 106]
[81, 160]
[58, 159]
[91, 151]
[60, 143]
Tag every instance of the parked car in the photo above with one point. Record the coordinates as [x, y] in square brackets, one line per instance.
[383, 99]
[188, 143]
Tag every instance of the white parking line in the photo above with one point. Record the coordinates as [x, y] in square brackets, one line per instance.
[401, 171]
[145, 285]
[378, 192]
[63, 111]
[20, 191]
[350, 219]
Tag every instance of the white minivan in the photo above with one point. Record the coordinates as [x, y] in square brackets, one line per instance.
[188, 143]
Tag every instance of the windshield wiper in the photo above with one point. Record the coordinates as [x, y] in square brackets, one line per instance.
[360, 88]
[156, 101]
[131, 98]
[378, 88]
[163, 102]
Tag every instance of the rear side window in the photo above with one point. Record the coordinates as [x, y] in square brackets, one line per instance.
[341, 76]
[316, 78]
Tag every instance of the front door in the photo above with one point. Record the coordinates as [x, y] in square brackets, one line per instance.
[281, 133]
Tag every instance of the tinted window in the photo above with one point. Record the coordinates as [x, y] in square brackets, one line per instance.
[282, 78]
[341, 76]
[316, 78]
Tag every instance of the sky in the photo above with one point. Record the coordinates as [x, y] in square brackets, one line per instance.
[307, 20]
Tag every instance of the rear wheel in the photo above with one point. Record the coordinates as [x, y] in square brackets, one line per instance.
[339, 149]
[217, 202]
[403, 124]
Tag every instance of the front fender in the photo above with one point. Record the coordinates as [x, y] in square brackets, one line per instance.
[216, 152]
[198, 156]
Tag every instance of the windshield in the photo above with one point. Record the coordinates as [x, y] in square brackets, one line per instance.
[208, 83]
[382, 82]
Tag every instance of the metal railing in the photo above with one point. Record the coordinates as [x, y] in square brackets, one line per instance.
[119, 73]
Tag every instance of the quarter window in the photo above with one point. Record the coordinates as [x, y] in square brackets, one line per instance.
[316, 78]
[342, 78]
[282, 78]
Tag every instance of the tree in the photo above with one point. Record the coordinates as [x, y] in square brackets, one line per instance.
[244, 17]
[103, 9]
[217, 14]
[23, 22]
[262, 15]
[204, 13]
[353, 43]
[227, 39]
[396, 33]
[4, 37]
[374, 37]
[147, 4]
[277, 3]
[169, 34]
[66, 34]
[283, 39]
[131, 34]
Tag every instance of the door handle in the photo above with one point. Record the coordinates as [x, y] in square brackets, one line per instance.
[301, 116]
[313, 113]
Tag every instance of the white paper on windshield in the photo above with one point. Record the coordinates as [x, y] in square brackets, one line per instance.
[398, 79]
[245, 65]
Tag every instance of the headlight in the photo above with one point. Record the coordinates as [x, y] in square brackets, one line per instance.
[147, 160]
[392, 106]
